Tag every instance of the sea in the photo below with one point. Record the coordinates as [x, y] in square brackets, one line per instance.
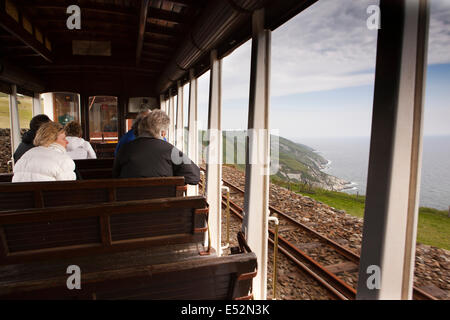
[348, 158]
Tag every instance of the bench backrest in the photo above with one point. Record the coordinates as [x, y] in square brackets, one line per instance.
[197, 278]
[94, 229]
[88, 169]
[14, 196]
[88, 164]
[104, 150]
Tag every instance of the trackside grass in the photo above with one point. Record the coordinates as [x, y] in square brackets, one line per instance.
[433, 226]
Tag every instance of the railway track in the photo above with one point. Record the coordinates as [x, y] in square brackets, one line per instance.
[312, 252]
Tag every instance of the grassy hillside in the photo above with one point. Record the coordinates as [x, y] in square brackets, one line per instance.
[25, 111]
[433, 226]
[296, 162]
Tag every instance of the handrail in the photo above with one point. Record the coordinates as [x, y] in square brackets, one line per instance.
[227, 189]
[275, 252]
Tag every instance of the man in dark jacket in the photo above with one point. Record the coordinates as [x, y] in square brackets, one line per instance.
[133, 132]
[28, 137]
[150, 156]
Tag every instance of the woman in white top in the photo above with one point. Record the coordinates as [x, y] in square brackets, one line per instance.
[78, 148]
[48, 161]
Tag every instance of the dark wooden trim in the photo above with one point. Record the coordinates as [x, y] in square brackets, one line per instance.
[99, 210]
[200, 230]
[105, 224]
[186, 273]
[90, 184]
[38, 199]
[21, 34]
[247, 276]
[202, 211]
[141, 30]
[3, 244]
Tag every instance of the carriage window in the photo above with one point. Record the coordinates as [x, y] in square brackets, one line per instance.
[103, 119]
[25, 109]
[4, 111]
[66, 107]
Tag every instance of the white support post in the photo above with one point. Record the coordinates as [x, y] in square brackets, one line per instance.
[256, 199]
[386, 268]
[180, 118]
[36, 104]
[192, 125]
[172, 118]
[162, 103]
[14, 119]
[214, 153]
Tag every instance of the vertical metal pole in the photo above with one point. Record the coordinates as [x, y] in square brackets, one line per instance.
[14, 119]
[256, 199]
[172, 118]
[162, 103]
[36, 104]
[180, 118]
[390, 219]
[214, 153]
[192, 125]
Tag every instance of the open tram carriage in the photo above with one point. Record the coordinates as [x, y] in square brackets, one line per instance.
[97, 61]
[130, 238]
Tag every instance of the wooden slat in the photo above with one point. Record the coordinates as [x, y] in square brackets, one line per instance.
[108, 227]
[21, 34]
[141, 30]
[191, 278]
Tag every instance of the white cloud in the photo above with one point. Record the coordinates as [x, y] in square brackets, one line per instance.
[439, 39]
[327, 46]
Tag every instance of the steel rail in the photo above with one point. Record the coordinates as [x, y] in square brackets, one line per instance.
[316, 269]
[345, 252]
[418, 294]
[301, 265]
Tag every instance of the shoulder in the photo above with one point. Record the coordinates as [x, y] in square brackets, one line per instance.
[65, 162]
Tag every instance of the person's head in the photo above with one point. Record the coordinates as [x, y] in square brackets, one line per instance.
[73, 129]
[154, 124]
[144, 110]
[37, 121]
[50, 132]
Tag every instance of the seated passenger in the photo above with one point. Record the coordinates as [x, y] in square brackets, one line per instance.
[49, 160]
[28, 137]
[133, 132]
[150, 156]
[78, 148]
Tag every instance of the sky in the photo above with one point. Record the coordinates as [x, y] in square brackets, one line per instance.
[323, 72]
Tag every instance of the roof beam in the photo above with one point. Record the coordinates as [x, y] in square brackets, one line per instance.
[159, 29]
[141, 31]
[97, 8]
[10, 25]
[166, 16]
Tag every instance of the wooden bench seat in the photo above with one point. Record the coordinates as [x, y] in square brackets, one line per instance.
[149, 249]
[88, 164]
[47, 233]
[63, 193]
[133, 275]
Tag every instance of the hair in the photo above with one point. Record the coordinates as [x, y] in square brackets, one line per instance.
[37, 121]
[73, 129]
[47, 134]
[144, 109]
[154, 123]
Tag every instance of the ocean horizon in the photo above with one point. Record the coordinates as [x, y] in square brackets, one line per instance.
[348, 158]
